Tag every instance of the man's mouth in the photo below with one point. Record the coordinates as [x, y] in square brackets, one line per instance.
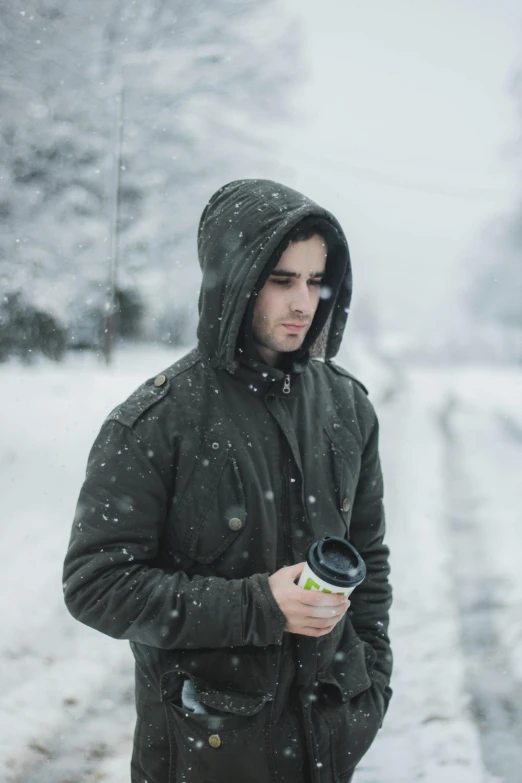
[295, 328]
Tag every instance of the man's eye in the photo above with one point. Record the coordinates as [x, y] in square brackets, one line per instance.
[279, 281]
[315, 282]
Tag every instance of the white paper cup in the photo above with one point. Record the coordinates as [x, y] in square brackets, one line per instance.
[309, 581]
[345, 578]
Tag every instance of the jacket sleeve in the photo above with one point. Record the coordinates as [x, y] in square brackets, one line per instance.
[370, 602]
[111, 582]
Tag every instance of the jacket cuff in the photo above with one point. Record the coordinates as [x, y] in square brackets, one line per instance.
[263, 620]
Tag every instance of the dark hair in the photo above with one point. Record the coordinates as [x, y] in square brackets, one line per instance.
[301, 233]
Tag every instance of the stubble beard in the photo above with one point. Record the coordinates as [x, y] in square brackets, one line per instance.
[265, 336]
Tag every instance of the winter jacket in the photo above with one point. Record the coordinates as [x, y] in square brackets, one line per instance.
[209, 478]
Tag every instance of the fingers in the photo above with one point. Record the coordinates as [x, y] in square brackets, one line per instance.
[325, 612]
[322, 621]
[308, 630]
[307, 612]
[316, 631]
[318, 620]
[315, 598]
[319, 623]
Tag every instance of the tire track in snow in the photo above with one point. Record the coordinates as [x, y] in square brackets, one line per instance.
[428, 734]
[480, 593]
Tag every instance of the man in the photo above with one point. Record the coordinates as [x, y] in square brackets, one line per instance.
[204, 491]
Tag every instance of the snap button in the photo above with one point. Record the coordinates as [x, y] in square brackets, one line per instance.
[215, 446]
[346, 505]
[235, 523]
[214, 740]
[160, 380]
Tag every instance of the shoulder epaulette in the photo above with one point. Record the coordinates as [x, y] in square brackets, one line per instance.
[341, 371]
[151, 392]
[183, 364]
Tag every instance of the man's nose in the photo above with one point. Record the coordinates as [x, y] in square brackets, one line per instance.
[302, 301]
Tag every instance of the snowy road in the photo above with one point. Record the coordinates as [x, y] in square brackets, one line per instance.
[451, 444]
[485, 495]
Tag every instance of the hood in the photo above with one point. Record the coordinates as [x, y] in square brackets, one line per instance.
[241, 228]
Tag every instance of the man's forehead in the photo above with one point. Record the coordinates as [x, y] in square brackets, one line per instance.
[303, 258]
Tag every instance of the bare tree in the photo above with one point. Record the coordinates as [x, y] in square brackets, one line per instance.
[199, 80]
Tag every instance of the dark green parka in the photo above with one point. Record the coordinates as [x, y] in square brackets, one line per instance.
[204, 482]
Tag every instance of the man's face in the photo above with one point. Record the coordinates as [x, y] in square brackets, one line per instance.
[286, 304]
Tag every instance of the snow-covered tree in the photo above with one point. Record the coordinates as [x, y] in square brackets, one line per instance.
[198, 81]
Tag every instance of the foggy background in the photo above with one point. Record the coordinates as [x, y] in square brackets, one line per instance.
[404, 119]
[411, 131]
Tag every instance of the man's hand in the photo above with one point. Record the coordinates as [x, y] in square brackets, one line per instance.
[307, 612]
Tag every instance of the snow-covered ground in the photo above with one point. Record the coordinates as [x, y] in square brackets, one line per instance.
[55, 674]
[451, 443]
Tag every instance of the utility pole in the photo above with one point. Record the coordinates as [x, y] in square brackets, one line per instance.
[129, 59]
[110, 303]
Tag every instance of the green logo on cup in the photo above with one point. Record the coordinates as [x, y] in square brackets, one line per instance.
[311, 584]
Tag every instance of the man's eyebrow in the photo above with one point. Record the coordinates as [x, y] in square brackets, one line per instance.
[283, 273]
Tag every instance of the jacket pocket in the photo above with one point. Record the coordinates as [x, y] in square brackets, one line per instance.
[345, 459]
[210, 514]
[348, 710]
[229, 744]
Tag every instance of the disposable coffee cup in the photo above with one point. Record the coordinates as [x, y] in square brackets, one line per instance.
[332, 566]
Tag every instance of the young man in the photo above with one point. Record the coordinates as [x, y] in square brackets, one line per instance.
[204, 491]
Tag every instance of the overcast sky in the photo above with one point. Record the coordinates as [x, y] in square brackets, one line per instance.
[406, 128]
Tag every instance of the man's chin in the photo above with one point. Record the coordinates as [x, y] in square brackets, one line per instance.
[292, 343]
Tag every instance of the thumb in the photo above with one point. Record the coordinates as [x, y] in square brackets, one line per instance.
[294, 571]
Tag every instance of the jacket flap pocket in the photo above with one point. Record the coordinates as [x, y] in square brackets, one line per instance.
[344, 444]
[345, 460]
[211, 512]
[228, 701]
[171, 683]
[348, 671]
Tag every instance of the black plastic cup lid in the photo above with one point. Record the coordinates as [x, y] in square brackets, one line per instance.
[336, 561]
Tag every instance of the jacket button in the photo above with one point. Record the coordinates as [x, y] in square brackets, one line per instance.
[235, 523]
[336, 425]
[160, 380]
[215, 446]
[214, 740]
[346, 505]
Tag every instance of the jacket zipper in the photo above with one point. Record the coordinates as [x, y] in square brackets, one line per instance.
[288, 560]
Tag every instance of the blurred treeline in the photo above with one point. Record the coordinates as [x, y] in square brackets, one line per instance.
[494, 294]
[118, 121]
